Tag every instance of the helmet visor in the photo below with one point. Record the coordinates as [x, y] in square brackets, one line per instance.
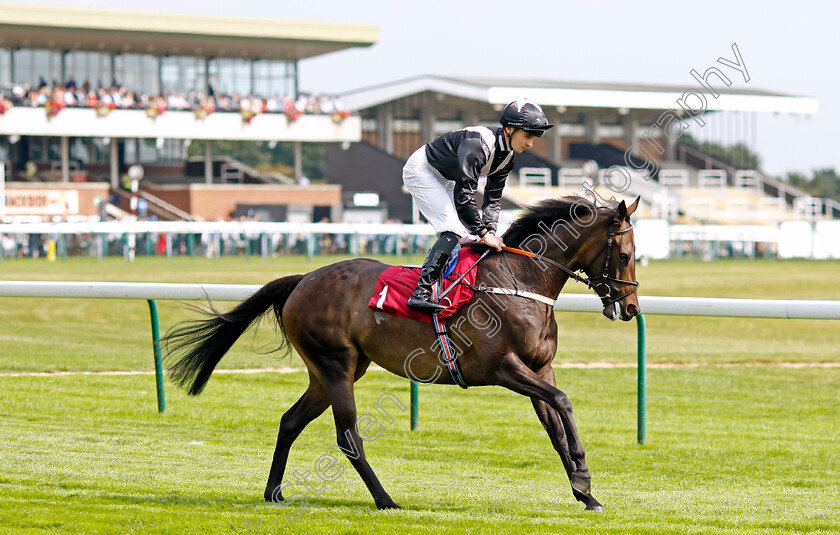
[537, 132]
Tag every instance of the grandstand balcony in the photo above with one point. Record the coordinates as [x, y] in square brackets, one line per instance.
[85, 122]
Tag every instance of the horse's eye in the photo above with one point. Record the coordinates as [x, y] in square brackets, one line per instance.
[625, 258]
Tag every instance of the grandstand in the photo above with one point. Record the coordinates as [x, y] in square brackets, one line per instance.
[87, 93]
[614, 125]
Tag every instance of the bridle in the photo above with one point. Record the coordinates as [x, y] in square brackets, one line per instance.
[599, 283]
[603, 289]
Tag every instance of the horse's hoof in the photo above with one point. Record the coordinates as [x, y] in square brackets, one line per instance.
[388, 505]
[275, 497]
[595, 507]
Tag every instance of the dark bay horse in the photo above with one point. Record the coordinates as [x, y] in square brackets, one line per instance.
[504, 340]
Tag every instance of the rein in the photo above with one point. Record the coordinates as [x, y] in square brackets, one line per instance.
[603, 289]
[547, 260]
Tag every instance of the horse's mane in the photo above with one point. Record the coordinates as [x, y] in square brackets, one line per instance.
[548, 211]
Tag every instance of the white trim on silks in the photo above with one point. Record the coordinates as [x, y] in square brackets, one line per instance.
[520, 293]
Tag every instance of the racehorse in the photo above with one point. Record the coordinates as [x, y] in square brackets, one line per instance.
[505, 340]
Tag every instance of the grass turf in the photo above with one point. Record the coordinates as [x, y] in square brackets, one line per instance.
[730, 449]
[735, 450]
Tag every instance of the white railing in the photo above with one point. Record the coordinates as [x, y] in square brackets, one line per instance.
[674, 178]
[807, 207]
[711, 179]
[535, 176]
[572, 177]
[712, 306]
[748, 179]
[198, 227]
[672, 306]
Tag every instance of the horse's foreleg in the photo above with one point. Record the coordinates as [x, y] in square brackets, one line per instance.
[350, 442]
[554, 410]
[565, 427]
[311, 405]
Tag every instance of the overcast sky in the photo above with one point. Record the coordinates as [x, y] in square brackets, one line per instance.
[787, 46]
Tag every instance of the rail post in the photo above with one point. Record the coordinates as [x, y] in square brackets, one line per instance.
[641, 376]
[161, 397]
[415, 406]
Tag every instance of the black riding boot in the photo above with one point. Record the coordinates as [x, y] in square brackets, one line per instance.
[421, 299]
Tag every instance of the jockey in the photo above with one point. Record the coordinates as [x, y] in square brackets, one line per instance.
[442, 177]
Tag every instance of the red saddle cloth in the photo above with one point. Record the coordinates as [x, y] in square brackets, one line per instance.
[397, 283]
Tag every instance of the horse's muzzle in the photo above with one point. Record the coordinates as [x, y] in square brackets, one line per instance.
[620, 309]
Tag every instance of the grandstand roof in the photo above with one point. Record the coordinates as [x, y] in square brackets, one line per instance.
[582, 94]
[62, 28]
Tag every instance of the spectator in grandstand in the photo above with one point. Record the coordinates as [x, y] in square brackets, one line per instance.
[120, 97]
[442, 177]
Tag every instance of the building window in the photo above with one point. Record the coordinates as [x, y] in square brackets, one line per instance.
[229, 76]
[183, 74]
[91, 69]
[34, 67]
[5, 68]
[137, 72]
[274, 78]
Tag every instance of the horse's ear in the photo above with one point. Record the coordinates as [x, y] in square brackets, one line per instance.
[632, 207]
[622, 211]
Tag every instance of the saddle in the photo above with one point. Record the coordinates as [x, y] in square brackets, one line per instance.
[396, 284]
[456, 284]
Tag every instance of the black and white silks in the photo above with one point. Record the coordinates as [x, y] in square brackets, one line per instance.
[464, 156]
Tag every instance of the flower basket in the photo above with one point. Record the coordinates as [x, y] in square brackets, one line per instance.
[292, 115]
[53, 108]
[152, 111]
[200, 113]
[339, 116]
[247, 115]
[5, 105]
[103, 110]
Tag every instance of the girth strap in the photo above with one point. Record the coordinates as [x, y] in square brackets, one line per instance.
[447, 349]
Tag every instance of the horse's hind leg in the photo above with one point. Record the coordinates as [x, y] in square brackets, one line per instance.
[555, 412]
[339, 387]
[310, 405]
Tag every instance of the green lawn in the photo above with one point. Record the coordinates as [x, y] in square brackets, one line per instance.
[735, 450]
[744, 449]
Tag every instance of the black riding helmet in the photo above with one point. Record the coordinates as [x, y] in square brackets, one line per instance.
[525, 115]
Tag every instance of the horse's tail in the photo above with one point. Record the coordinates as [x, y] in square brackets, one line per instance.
[194, 348]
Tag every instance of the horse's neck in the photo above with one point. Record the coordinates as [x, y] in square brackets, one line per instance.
[515, 271]
[573, 252]
[534, 275]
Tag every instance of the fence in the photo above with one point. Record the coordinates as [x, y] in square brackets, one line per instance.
[213, 239]
[654, 238]
[676, 306]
